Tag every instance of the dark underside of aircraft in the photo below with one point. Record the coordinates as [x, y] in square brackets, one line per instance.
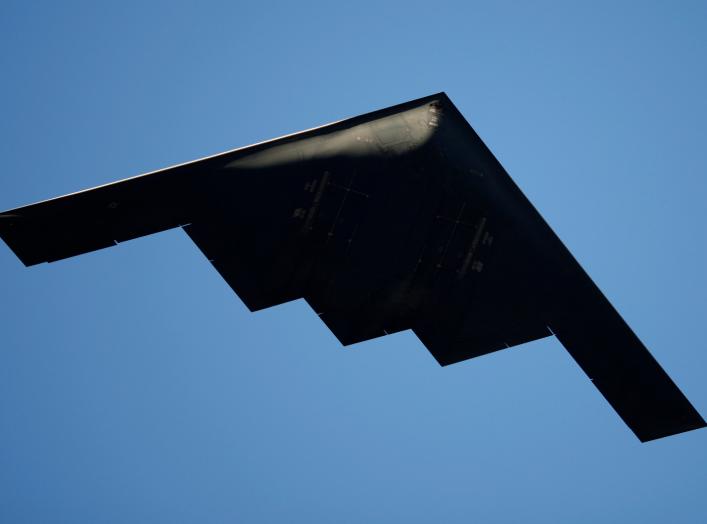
[397, 219]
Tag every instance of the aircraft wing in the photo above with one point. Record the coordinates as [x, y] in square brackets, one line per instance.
[397, 219]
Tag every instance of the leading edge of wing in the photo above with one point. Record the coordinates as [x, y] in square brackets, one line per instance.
[107, 214]
[252, 148]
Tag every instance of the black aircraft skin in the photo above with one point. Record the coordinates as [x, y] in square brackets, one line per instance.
[397, 219]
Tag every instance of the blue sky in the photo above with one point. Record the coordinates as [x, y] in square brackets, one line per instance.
[136, 387]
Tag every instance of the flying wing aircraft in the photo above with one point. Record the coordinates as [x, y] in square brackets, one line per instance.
[397, 219]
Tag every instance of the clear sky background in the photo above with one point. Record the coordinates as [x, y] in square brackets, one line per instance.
[136, 387]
